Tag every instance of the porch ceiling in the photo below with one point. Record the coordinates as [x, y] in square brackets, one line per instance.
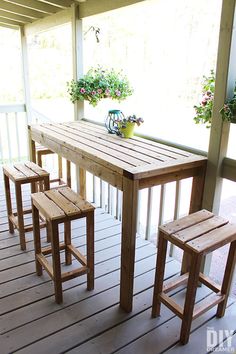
[16, 13]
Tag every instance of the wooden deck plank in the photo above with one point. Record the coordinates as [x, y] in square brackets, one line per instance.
[160, 339]
[10, 247]
[119, 336]
[94, 302]
[91, 322]
[39, 300]
[195, 345]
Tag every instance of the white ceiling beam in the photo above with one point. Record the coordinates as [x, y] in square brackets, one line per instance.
[35, 5]
[60, 3]
[12, 16]
[9, 26]
[48, 22]
[19, 10]
[10, 22]
[93, 7]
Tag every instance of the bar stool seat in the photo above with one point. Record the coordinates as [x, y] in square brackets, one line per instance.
[22, 173]
[43, 151]
[197, 234]
[58, 206]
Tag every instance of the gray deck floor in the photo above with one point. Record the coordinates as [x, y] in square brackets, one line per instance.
[92, 322]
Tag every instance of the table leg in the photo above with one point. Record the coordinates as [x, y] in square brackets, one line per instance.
[32, 148]
[195, 205]
[197, 191]
[129, 222]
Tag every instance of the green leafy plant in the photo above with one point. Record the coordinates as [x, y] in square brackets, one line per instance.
[98, 84]
[228, 111]
[122, 123]
[204, 109]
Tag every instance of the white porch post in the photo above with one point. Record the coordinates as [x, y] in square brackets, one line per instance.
[25, 74]
[77, 55]
[224, 87]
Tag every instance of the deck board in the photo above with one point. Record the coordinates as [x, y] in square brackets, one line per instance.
[91, 322]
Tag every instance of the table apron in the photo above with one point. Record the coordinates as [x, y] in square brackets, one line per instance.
[170, 177]
[106, 174]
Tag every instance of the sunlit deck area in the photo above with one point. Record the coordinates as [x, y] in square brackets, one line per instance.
[92, 321]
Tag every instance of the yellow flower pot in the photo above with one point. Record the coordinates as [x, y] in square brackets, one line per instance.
[128, 131]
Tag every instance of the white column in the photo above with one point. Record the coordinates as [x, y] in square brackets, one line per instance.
[224, 88]
[25, 74]
[77, 55]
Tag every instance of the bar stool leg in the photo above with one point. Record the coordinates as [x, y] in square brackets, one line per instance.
[228, 275]
[8, 202]
[20, 215]
[90, 249]
[68, 173]
[67, 236]
[48, 231]
[53, 227]
[46, 181]
[159, 276]
[60, 174]
[190, 298]
[39, 159]
[37, 242]
[40, 163]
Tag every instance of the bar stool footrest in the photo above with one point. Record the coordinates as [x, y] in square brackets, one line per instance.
[74, 273]
[48, 250]
[207, 304]
[27, 228]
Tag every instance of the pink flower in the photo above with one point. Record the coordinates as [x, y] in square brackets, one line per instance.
[107, 92]
[118, 93]
[99, 91]
[93, 93]
[82, 90]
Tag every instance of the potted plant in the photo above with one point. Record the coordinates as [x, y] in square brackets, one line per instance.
[125, 126]
[228, 111]
[98, 84]
[204, 109]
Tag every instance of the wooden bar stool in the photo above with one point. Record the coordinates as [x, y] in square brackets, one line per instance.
[19, 174]
[63, 205]
[197, 234]
[42, 151]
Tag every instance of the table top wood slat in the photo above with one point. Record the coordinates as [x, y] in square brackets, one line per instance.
[99, 144]
[126, 143]
[75, 146]
[150, 145]
[117, 145]
[135, 158]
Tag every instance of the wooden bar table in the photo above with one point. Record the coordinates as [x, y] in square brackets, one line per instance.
[128, 164]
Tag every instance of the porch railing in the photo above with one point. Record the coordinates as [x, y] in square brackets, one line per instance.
[156, 205]
[13, 133]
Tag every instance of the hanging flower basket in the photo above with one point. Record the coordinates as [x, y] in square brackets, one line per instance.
[98, 84]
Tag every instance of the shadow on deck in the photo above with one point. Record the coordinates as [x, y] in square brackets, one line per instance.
[92, 322]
